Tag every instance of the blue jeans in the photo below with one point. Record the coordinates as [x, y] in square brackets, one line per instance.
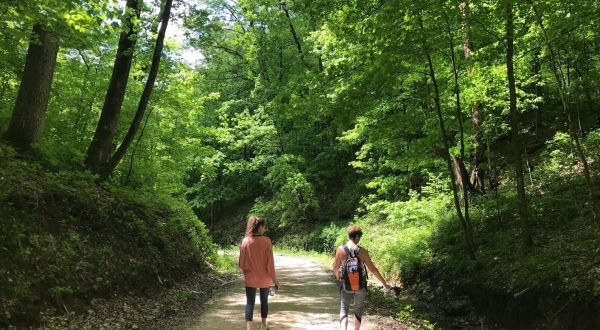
[251, 298]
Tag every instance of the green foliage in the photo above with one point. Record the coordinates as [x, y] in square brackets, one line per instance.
[327, 238]
[397, 234]
[318, 113]
[59, 291]
[73, 239]
[294, 202]
[559, 159]
[185, 294]
[227, 260]
[385, 304]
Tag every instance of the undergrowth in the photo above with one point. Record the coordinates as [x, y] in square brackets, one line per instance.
[420, 238]
[418, 241]
[66, 239]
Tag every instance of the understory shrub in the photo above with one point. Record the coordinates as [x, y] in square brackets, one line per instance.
[66, 239]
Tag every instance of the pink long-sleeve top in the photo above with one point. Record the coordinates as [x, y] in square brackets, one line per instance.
[256, 261]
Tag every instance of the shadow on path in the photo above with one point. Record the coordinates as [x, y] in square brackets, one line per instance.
[308, 299]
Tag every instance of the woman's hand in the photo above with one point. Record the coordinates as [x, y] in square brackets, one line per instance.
[276, 282]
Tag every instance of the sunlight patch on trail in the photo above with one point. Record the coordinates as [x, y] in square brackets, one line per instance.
[308, 299]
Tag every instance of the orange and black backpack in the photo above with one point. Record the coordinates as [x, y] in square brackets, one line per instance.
[354, 272]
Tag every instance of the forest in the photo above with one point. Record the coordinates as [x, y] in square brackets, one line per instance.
[462, 135]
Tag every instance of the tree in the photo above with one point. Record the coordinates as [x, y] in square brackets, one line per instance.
[99, 150]
[477, 176]
[47, 26]
[574, 132]
[465, 223]
[461, 173]
[515, 129]
[27, 122]
[285, 10]
[139, 114]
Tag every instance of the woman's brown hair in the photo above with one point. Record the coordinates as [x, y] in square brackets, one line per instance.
[254, 222]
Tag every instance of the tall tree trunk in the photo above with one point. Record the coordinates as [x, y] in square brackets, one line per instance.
[84, 89]
[27, 122]
[514, 127]
[139, 114]
[320, 61]
[466, 186]
[293, 32]
[537, 90]
[137, 144]
[468, 236]
[98, 153]
[280, 73]
[560, 84]
[477, 177]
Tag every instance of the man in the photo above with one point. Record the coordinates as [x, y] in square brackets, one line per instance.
[353, 276]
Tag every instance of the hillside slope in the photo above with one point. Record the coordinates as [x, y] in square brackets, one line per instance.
[66, 239]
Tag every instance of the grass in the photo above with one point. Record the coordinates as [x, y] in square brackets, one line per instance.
[227, 260]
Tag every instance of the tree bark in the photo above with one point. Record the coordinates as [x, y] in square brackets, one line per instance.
[462, 176]
[98, 153]
[466, 186]
[477, 176]
[514, 127]
[560, 84]
[537, 67]
[139, 114]
[465, 32]
[29, 115]
[280, 74]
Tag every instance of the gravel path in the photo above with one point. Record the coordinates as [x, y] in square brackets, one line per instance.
[308, 299]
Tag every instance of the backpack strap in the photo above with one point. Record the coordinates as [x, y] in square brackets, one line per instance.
[352, 252]
[347, 250]
[357, 252]
[365, 273]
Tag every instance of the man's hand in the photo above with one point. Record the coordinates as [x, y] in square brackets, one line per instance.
[388, 290]
[276, 282]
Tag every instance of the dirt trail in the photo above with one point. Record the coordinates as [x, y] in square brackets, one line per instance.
[308, 299]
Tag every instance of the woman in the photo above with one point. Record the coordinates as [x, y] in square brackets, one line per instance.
[256, 261]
